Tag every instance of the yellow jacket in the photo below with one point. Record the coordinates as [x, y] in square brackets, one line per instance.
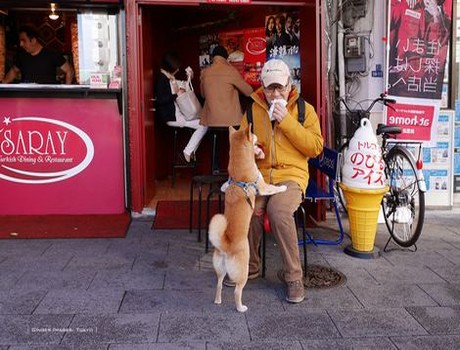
[287, 145]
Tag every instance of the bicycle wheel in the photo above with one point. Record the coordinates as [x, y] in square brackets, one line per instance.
[404, 204]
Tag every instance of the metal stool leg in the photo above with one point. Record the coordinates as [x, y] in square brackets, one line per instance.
[191, 208]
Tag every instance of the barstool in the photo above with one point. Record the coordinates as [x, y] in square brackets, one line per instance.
[214, 132]
[214, 182]
[177, 162]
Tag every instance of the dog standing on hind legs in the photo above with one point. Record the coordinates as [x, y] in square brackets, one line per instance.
[228, 232]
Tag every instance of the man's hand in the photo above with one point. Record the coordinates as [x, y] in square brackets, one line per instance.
[279, 112]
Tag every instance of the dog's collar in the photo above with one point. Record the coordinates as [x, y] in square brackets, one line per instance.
[245, 186]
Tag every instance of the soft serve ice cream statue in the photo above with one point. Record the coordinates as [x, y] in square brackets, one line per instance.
[363, 166]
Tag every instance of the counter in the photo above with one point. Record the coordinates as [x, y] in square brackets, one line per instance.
[61, 150]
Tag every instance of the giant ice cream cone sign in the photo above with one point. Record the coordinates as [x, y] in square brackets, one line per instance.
[363, 185]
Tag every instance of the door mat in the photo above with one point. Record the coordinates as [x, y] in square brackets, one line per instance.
[176, 214]
[64, 226]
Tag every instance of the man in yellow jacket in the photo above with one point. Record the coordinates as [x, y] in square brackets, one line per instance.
[287, 145]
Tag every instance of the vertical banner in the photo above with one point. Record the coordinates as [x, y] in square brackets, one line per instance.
[254, 54]
[419, 35]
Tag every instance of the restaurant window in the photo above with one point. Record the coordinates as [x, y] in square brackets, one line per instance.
[88, 38]
[97, 51]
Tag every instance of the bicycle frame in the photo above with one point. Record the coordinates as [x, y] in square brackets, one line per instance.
[387, 145]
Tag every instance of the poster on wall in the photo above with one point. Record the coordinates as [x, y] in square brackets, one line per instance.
[417, 121]
[246, 51]
[419, 34]
[282, 35]
[438, 159]
[254, 54]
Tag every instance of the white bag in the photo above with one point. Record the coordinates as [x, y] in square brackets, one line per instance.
[188, 102]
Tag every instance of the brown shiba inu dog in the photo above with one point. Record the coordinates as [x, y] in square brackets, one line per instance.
[228, 233]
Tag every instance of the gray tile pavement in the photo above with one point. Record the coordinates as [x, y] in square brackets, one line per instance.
[155, 290]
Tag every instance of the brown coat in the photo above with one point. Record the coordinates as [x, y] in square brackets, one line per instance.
[220, 85]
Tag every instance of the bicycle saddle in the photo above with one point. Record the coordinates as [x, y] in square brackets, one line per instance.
[388, 129]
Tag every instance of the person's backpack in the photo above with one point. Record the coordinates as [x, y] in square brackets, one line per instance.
[300, 107]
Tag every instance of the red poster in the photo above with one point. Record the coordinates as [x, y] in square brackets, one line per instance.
[419, 33]
[254, 54]
[415, 120]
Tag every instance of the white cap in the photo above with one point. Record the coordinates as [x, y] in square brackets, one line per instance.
[275, 71]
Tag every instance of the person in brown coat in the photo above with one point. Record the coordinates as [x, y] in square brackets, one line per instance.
[221, 84]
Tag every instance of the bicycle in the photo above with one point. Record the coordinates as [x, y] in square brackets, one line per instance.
[404, 204]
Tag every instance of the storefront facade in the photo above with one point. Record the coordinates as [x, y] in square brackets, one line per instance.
[100, 150]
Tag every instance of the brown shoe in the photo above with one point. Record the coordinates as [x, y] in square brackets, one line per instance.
[295, 292]
[229, 283]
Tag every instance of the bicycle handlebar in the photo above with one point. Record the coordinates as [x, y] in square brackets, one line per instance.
[382, 98]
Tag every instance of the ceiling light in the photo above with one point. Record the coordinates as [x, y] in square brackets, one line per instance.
[53, 15]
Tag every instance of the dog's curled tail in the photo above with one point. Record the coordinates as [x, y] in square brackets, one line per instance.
[217, 227]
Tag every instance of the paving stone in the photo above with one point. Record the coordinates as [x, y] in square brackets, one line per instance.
[326, 298]
[33, 329]
[150, 301]
[19, 301]
[437, 320]
[347, 344]
[292, 325]
[450, 274]
[375, 323]
[392, 295]
[105, 300]
[427, 342]
[59, 347]
[255, 345]
[185, 326]
[190, 345]
[102, 262]
[56, 279]
[404, 274]
[105, 329]
[445, 294]
[129, 280]
[78, 247]
[408, 258]
[191, 280]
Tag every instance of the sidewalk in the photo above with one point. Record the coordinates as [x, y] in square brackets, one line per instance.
[155, 290]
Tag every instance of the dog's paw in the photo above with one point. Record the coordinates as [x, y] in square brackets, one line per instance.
[281, 188]
[242, 308]
[218, 301]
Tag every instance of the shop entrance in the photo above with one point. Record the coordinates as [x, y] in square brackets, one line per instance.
[182, 28]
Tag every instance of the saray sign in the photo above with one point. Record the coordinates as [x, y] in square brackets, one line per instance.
[36, 150]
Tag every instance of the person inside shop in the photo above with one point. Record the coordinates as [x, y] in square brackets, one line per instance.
[36, 63]
[167, 89]
[221, 85]
[287, 144]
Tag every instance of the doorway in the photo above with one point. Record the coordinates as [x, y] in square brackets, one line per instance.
[178, 28]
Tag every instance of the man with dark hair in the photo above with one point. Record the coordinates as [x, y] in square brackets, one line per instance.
[221, 84]
[36, 63]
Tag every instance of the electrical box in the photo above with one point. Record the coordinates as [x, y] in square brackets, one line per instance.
[354, 46]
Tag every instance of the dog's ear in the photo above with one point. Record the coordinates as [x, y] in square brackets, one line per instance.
[248, 132]
[231, 130]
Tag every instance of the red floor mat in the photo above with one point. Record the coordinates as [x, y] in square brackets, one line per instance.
[64, 226]
[176, 214]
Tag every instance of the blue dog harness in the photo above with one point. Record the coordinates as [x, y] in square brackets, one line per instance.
[245, 186]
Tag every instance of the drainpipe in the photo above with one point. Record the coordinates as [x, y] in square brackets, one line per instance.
[341, 73]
